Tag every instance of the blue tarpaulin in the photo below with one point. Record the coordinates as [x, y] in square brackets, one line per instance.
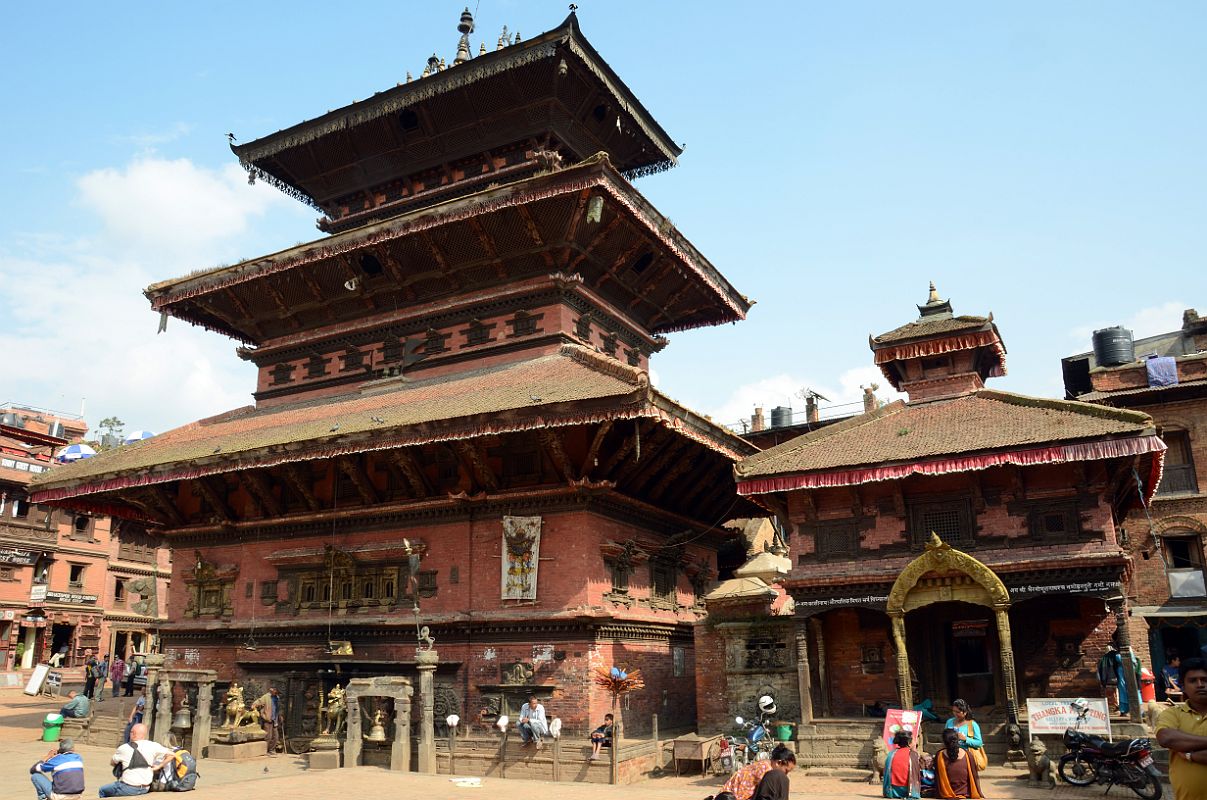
[1162, 371]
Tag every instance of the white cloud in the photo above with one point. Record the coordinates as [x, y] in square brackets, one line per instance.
[150, 140]
[1149, 321]
[74, 311]
[173, 208]
[845, 396]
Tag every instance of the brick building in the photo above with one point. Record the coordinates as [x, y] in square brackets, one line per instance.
[959, 544]
[453, 410]
[1165, 542]
[69, 580]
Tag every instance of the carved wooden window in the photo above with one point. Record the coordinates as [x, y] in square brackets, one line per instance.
[523, 323]
[281, 373]
[582, 327]
[316, 366]
[391, 349]
[609, 343]
[308, 593]
[210, 600]
[81, 528]
[435, 342]
[119, 591]
[477, 333]
[836, 540]
[662, 582]
[387, 589]
[268, 592]
[1178, 477]
[1054, 521]
[951, 520]
[75, 576]
[354, 360]
[426, 583]
[7, 574]
[620, 576]
[632, 357]
[134, 546]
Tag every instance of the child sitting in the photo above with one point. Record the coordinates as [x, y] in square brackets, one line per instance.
[601, 736]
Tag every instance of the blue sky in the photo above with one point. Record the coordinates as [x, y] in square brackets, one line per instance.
[1041, 160]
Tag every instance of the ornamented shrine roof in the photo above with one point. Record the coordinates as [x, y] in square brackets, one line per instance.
[989, 426]
[554, 85]
[571, 387]
[619, 243]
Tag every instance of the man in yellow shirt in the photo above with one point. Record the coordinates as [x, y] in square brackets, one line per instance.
[1183, 729]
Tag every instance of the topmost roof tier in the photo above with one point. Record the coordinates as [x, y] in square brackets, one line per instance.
[492, 118]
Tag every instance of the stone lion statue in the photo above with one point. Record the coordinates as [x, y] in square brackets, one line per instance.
[332, 714]
[1040, 768]
[879, 754]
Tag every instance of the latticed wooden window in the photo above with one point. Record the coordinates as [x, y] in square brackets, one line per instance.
[582, 327]
[523, 324]
[662, 580]
[434, 343]
[477, 333]
[837, 540]
[353, 360]
[282, 373]
[316, 366]
[1178, 476]
[951, 520]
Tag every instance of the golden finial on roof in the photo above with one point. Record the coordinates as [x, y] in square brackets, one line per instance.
[482, 49]
[465, 27]
[408, 76]
[934, 294]
[516, 40]
[443, 66]
[503, 40]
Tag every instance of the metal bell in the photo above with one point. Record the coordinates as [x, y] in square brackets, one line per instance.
[182, 720]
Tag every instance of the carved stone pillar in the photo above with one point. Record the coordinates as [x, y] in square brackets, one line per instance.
[804, 680]
[400, 751]
[819, 647]
[1130, 679]
[155, 664]
[427, 721]
[352, 734]
[163, 710]
[905, 689]
[1001, 614]
[201, 718]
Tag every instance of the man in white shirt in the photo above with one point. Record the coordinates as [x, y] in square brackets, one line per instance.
[139, 759]
[533, 725]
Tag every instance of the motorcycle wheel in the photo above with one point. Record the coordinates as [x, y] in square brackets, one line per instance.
[1149, 788]
[1075, 770]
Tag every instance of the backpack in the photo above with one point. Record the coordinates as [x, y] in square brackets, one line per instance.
[180, 774]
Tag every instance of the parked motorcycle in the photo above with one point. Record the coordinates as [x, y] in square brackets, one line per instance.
[1091, 759]
[756, 741]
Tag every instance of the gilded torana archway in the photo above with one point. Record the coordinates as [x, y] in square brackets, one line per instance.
[943, 574]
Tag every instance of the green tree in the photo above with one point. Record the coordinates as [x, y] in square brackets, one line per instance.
[111, 433]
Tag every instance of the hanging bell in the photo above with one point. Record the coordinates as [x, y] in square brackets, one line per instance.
[182, 720]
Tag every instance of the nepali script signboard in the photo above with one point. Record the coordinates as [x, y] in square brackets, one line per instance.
[1054, 715]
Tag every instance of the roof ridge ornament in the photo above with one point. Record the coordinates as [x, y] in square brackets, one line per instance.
[465, 27]
[935, 306]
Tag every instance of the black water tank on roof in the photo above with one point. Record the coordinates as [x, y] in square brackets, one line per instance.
[781, 417]
[1113, 346]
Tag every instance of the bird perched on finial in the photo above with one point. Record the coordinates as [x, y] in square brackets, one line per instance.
[573, 8]
[230, 137]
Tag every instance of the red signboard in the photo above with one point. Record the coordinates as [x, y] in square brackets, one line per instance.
[895, 719]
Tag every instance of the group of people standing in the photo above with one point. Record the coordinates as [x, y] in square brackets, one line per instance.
[130, 674]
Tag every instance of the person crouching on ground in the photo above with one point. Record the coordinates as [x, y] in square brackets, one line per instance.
[66, 774]
[955, 772]
[533, 725]
[77, 705]
[902, 769]
[139, 759]
[742, 783]
[601, 736]
[774, 785]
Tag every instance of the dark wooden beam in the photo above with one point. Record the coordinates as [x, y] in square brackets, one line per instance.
[488, 247]
[302, 485]
[414, 474]
[628, 445]
[651, 445]
[354, 469]
[215, 496]
[144, 504]
[534, 234]
[552, 442]
[256, 482]
[593, 451]
[441, 262]
[595, 242]
[580, 209]
[475, 460]
[247, 317]
[286, 313]
[660, 462]
[159, 496]
[678, 468]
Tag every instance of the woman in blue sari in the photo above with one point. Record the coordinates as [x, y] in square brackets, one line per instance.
[968, 731]
[902, 769]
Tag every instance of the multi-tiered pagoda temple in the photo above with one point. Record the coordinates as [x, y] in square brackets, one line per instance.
[453, 406]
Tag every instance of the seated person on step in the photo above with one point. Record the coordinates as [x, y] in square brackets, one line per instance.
[77, 706]
[601, 737]
[533, 725]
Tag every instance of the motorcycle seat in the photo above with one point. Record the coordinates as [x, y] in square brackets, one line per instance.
[1115, 749]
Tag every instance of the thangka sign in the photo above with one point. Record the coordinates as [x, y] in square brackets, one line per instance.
[1054, 715]
[896, 719]
[521, 555]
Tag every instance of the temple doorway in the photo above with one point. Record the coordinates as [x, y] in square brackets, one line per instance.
[953, 653]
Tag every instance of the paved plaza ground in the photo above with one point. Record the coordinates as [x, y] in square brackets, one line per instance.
[286, 777]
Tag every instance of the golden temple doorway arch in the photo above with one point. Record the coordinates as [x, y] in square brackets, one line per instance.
[942, 574]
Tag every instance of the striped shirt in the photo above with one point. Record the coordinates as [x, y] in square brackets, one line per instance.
[66, 772]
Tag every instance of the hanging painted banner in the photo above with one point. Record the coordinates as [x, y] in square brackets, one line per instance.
[521, 553]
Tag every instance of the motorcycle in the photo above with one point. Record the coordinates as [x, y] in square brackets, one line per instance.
[755, 743]
[1091, 759]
